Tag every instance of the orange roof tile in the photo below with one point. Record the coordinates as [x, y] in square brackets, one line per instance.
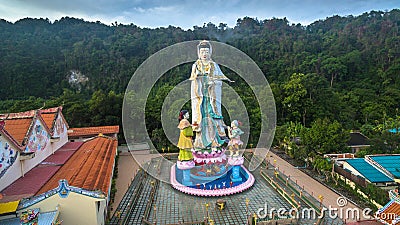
[88, 131]
[390, 213]
[89, 168]
[50, 114]
[49, 118]
[18, 128]
[19, 115]
[17, 124]
[51, 110]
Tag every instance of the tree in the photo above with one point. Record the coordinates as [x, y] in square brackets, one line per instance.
[333, 68]
[324, 137]
[75, 108]
[322, 166]
[105, 109]
[341, 68]
[295, 101]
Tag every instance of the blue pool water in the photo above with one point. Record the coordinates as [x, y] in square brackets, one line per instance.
[213, 182]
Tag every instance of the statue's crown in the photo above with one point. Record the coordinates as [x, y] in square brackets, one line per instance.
[204, 44]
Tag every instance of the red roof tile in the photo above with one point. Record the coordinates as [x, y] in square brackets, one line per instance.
[63, 154]
[31, 182]
[37, 177]
[90, 131]
[89, 168]
[71, 146]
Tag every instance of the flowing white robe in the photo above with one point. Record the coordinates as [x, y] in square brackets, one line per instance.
[206, 94]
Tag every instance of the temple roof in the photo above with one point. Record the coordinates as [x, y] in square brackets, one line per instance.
[87, 165]
[18, 125]
[44, 218]
[390, 212]
[92, 131]
[50, 115]
[18, 128]
[48, 119]
[34, 179]
[90, 167]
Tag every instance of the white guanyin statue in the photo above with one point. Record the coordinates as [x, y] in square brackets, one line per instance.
[206, 84]
[203, 169]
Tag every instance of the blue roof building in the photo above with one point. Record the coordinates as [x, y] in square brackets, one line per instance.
[389, 164]
[362, 168]
[394, 130]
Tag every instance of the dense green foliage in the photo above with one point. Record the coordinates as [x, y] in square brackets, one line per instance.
[341, 69]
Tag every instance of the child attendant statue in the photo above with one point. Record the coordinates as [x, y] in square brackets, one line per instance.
[185, 143]
[234, 133]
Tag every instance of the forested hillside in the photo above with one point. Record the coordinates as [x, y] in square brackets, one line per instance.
[342, 69]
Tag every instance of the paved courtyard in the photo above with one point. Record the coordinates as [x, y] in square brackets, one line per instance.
[173, 206]
[159, 203]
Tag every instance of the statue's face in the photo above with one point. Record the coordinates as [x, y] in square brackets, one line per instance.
[186, 116]
[204, 53]
[234, 123]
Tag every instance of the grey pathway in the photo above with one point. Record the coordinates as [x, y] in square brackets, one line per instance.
[314, 187]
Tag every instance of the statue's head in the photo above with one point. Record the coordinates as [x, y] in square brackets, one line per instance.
[183, 114]
[235, 123]
[204, 50]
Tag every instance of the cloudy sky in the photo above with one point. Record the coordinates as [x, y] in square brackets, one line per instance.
[185, 13]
